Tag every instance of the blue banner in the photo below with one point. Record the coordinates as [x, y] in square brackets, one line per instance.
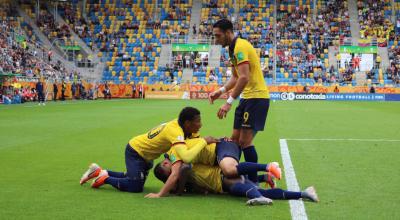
[392, 97]
[290, 96]
[355, 97]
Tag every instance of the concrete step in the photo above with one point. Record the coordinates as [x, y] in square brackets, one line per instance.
[354, 22]
[384, 54]
[195, 20]
[215, 56]
[332, 51]
[165, 55]
[361, 78]
[187, 75]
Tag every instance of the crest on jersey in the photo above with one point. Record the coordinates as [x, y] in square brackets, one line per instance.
[240, 56]
[180, 138]
[155, 131]
[172, 158]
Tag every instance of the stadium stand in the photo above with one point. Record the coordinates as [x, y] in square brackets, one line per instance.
[18, 56]
[128, 36]
[374, 17]
[130, 39]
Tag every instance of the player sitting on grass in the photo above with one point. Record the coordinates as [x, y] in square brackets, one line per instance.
[226, 154]
[143, 149]
[205, 178]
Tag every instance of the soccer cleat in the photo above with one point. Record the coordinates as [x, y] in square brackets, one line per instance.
[259, 201]
[99, 181]
[311, 194]
[270, 180]
[274, 169]
[92, 172]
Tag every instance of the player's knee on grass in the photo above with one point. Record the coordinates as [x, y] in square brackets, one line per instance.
[228, 167]
[136, 188]
[229, 182]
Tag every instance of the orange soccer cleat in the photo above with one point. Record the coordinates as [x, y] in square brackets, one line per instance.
[99, 181]
[93, 171]
[274, 169]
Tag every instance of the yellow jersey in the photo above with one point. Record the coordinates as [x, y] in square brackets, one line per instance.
[158, 140]
[206, 156]
[241, 52]
[207, 177]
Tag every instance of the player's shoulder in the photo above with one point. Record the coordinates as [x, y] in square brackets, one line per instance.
[173, 127]
[172, 124]
[242, 43]
[193, 141]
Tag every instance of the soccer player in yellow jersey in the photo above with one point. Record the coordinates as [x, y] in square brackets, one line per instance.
[143, 149]
[210, 179]
[226, 154]
[248, 80]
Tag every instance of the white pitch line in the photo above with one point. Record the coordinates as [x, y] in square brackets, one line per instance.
[297, 209]
[343, 139]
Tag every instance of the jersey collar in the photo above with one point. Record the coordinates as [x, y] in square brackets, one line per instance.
[232, 47]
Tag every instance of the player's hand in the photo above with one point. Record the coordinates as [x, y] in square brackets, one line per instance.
[214, 95]
[227, 139]
[152, 195]
[211, 140]
[224, 110]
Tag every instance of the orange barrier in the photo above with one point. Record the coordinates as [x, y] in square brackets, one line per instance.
[165, 95]
[158, 90]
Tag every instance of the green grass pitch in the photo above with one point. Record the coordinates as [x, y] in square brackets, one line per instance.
[45, 150]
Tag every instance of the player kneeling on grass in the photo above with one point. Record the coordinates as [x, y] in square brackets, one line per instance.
[143, 149]
[226, 154]
[205, 178]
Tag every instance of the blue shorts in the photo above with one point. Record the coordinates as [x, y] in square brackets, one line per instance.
[137, 168]
[251, 114]
[228, 149]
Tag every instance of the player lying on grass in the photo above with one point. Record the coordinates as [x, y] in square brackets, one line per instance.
[226, 154]
[205, 178]
[143, 149]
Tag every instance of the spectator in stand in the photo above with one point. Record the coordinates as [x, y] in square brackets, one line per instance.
[212, 76]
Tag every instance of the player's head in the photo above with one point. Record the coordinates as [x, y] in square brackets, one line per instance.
[222, 29]
[190, 120]
[162, 170]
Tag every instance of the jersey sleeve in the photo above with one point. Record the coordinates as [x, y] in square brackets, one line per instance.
[241, 54]
[173, 156]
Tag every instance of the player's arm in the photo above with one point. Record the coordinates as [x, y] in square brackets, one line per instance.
[171, 181]
[183, 177]
[232, 81]
[187, 155]
[243, 79]
[227, 87]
